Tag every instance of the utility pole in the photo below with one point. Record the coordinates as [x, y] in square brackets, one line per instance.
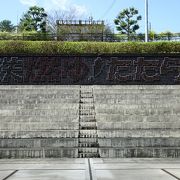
[146, 21]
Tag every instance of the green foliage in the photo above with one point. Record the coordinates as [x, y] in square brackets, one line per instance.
[152, 35]
[127, 21]
[6, 26]
[166, 35]
[25, 35]
[77, 48]
[34, 20]
[5, 36]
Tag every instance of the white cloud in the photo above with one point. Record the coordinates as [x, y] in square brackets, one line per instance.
[80, 10]
[28, 2]
[65, 5]
[58, 5]
[61, 4]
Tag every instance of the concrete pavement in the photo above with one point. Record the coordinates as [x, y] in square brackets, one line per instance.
[90, 169]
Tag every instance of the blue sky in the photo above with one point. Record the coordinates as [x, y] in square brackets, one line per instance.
[164, 15]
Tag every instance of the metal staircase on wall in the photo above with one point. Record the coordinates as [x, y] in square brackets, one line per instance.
[88, 137]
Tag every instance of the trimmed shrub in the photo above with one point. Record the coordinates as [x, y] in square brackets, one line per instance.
[76, 48]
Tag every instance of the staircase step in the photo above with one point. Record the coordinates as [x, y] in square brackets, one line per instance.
[88, 145]
[86, 114]
[86, 107]
[87, 117]
[87, 120]
[88, 124]
[86, 110]
[89, 155]
[87, 136]
[86, 100]
[89, 140]
[88, 128]
[88, 150]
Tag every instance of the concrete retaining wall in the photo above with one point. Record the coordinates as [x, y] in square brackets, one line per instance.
[39, 121]
[138, 121]
[132, 121]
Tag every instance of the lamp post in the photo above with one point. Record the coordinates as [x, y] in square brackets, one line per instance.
[146, 20]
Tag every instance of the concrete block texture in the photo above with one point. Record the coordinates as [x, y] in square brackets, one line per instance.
[129, 121]
[39, 121]
[138, 121]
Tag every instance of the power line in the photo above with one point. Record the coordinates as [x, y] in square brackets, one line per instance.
[109, 8]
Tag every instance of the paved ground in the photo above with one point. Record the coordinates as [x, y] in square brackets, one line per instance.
[90, 169]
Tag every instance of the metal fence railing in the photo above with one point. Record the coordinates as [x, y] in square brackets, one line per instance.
[89, 37]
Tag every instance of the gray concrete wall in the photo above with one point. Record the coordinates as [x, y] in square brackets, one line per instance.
[132, 121]
[39, 121]
[138, 121]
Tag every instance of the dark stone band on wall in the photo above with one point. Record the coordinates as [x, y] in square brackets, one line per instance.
[97, 70]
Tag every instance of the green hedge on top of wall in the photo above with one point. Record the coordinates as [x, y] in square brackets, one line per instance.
[77, 48]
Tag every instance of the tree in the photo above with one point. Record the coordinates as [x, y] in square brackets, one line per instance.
[127, 21]
[34, 20]
[108, 33]
[6, 26]
[166, 36]
[53, 16]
